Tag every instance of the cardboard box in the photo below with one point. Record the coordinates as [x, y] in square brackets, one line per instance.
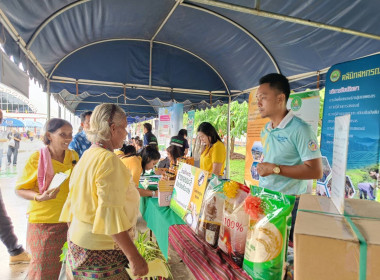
[165, 190]
[325, 245]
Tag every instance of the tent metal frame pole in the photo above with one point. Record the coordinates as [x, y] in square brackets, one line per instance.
[280, 17]
[50, 18]
[127, 112]
[139, 40]
[21, 43]
[48, 94]
[136, 86]
[176, 4]
[117, 103]
[228, 138]
[150, 62]
[253, 37]
[290, 78]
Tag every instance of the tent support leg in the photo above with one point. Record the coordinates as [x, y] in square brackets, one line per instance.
[48, 94]
[228, 138]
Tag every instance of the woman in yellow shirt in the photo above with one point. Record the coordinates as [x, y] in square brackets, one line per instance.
[137, 164]
[213, 157]
[103, 205]
[45, 234]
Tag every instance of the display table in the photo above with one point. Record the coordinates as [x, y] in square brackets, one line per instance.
[202, 260]
[158, 220]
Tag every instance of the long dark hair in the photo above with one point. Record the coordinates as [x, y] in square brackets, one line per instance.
[52, 126]
[175, 152]
[210, 131]
[147, 155]
[129, 150]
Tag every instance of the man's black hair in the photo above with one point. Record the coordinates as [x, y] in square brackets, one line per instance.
[128, 150]
[84, 115]
[182, 132]
[277, 81]
[148, 127]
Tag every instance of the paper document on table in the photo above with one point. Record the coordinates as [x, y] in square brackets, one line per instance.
[58, 179]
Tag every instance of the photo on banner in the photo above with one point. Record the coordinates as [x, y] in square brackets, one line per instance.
[353, 88]
[254, 148]
[189, 188]
[304, 105]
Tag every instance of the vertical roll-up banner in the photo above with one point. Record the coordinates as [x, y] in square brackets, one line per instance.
[353, 88]
[254, 148]
[176, 118]
[164, 128]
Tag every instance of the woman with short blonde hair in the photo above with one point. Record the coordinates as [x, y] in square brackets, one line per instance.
[102, 205]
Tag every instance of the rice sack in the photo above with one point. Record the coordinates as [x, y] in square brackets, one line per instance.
[233, 231]
[211, 215]
[267, 238]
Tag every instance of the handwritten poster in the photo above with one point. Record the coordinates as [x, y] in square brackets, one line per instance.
[189, 188]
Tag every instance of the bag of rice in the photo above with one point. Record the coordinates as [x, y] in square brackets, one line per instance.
[233, 232]
[211, 215]
[267, 239]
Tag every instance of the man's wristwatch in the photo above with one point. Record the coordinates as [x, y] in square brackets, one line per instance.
[153, 193]
[276, 169]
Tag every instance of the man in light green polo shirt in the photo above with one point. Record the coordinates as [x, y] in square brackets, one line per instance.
[290, 147]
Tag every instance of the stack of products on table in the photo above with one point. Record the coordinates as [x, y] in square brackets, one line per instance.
[166, 185]
[165, 190]
[250, 225]
[171, 173]
[187, 160]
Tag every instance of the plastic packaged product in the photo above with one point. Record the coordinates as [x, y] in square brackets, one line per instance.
[234, 227]
[211, 215]
[267, 238]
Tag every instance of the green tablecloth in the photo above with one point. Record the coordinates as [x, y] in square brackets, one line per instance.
[159, 219]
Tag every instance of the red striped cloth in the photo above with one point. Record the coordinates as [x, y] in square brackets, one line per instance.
[203, 261]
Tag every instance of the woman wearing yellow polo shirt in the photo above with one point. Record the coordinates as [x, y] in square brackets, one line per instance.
[102, 205]
[137, 164]
[213, 157]
[45, 234]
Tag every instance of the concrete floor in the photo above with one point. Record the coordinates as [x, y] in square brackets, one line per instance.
[16, 208]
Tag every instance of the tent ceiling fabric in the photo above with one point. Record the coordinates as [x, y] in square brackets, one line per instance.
[199, 48]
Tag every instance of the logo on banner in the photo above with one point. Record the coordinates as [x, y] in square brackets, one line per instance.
[296, 103]
[335, 75]
[201, 178]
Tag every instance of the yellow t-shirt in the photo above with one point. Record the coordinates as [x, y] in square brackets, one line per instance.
[215, 154]
[119, 153]
[102, 201]
[46, 211]
[133, 163]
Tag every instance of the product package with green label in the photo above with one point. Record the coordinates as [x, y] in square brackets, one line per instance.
[267, 238]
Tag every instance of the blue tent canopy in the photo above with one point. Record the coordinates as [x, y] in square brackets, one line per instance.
[32, 124]
[200, 52]
[9, 122]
